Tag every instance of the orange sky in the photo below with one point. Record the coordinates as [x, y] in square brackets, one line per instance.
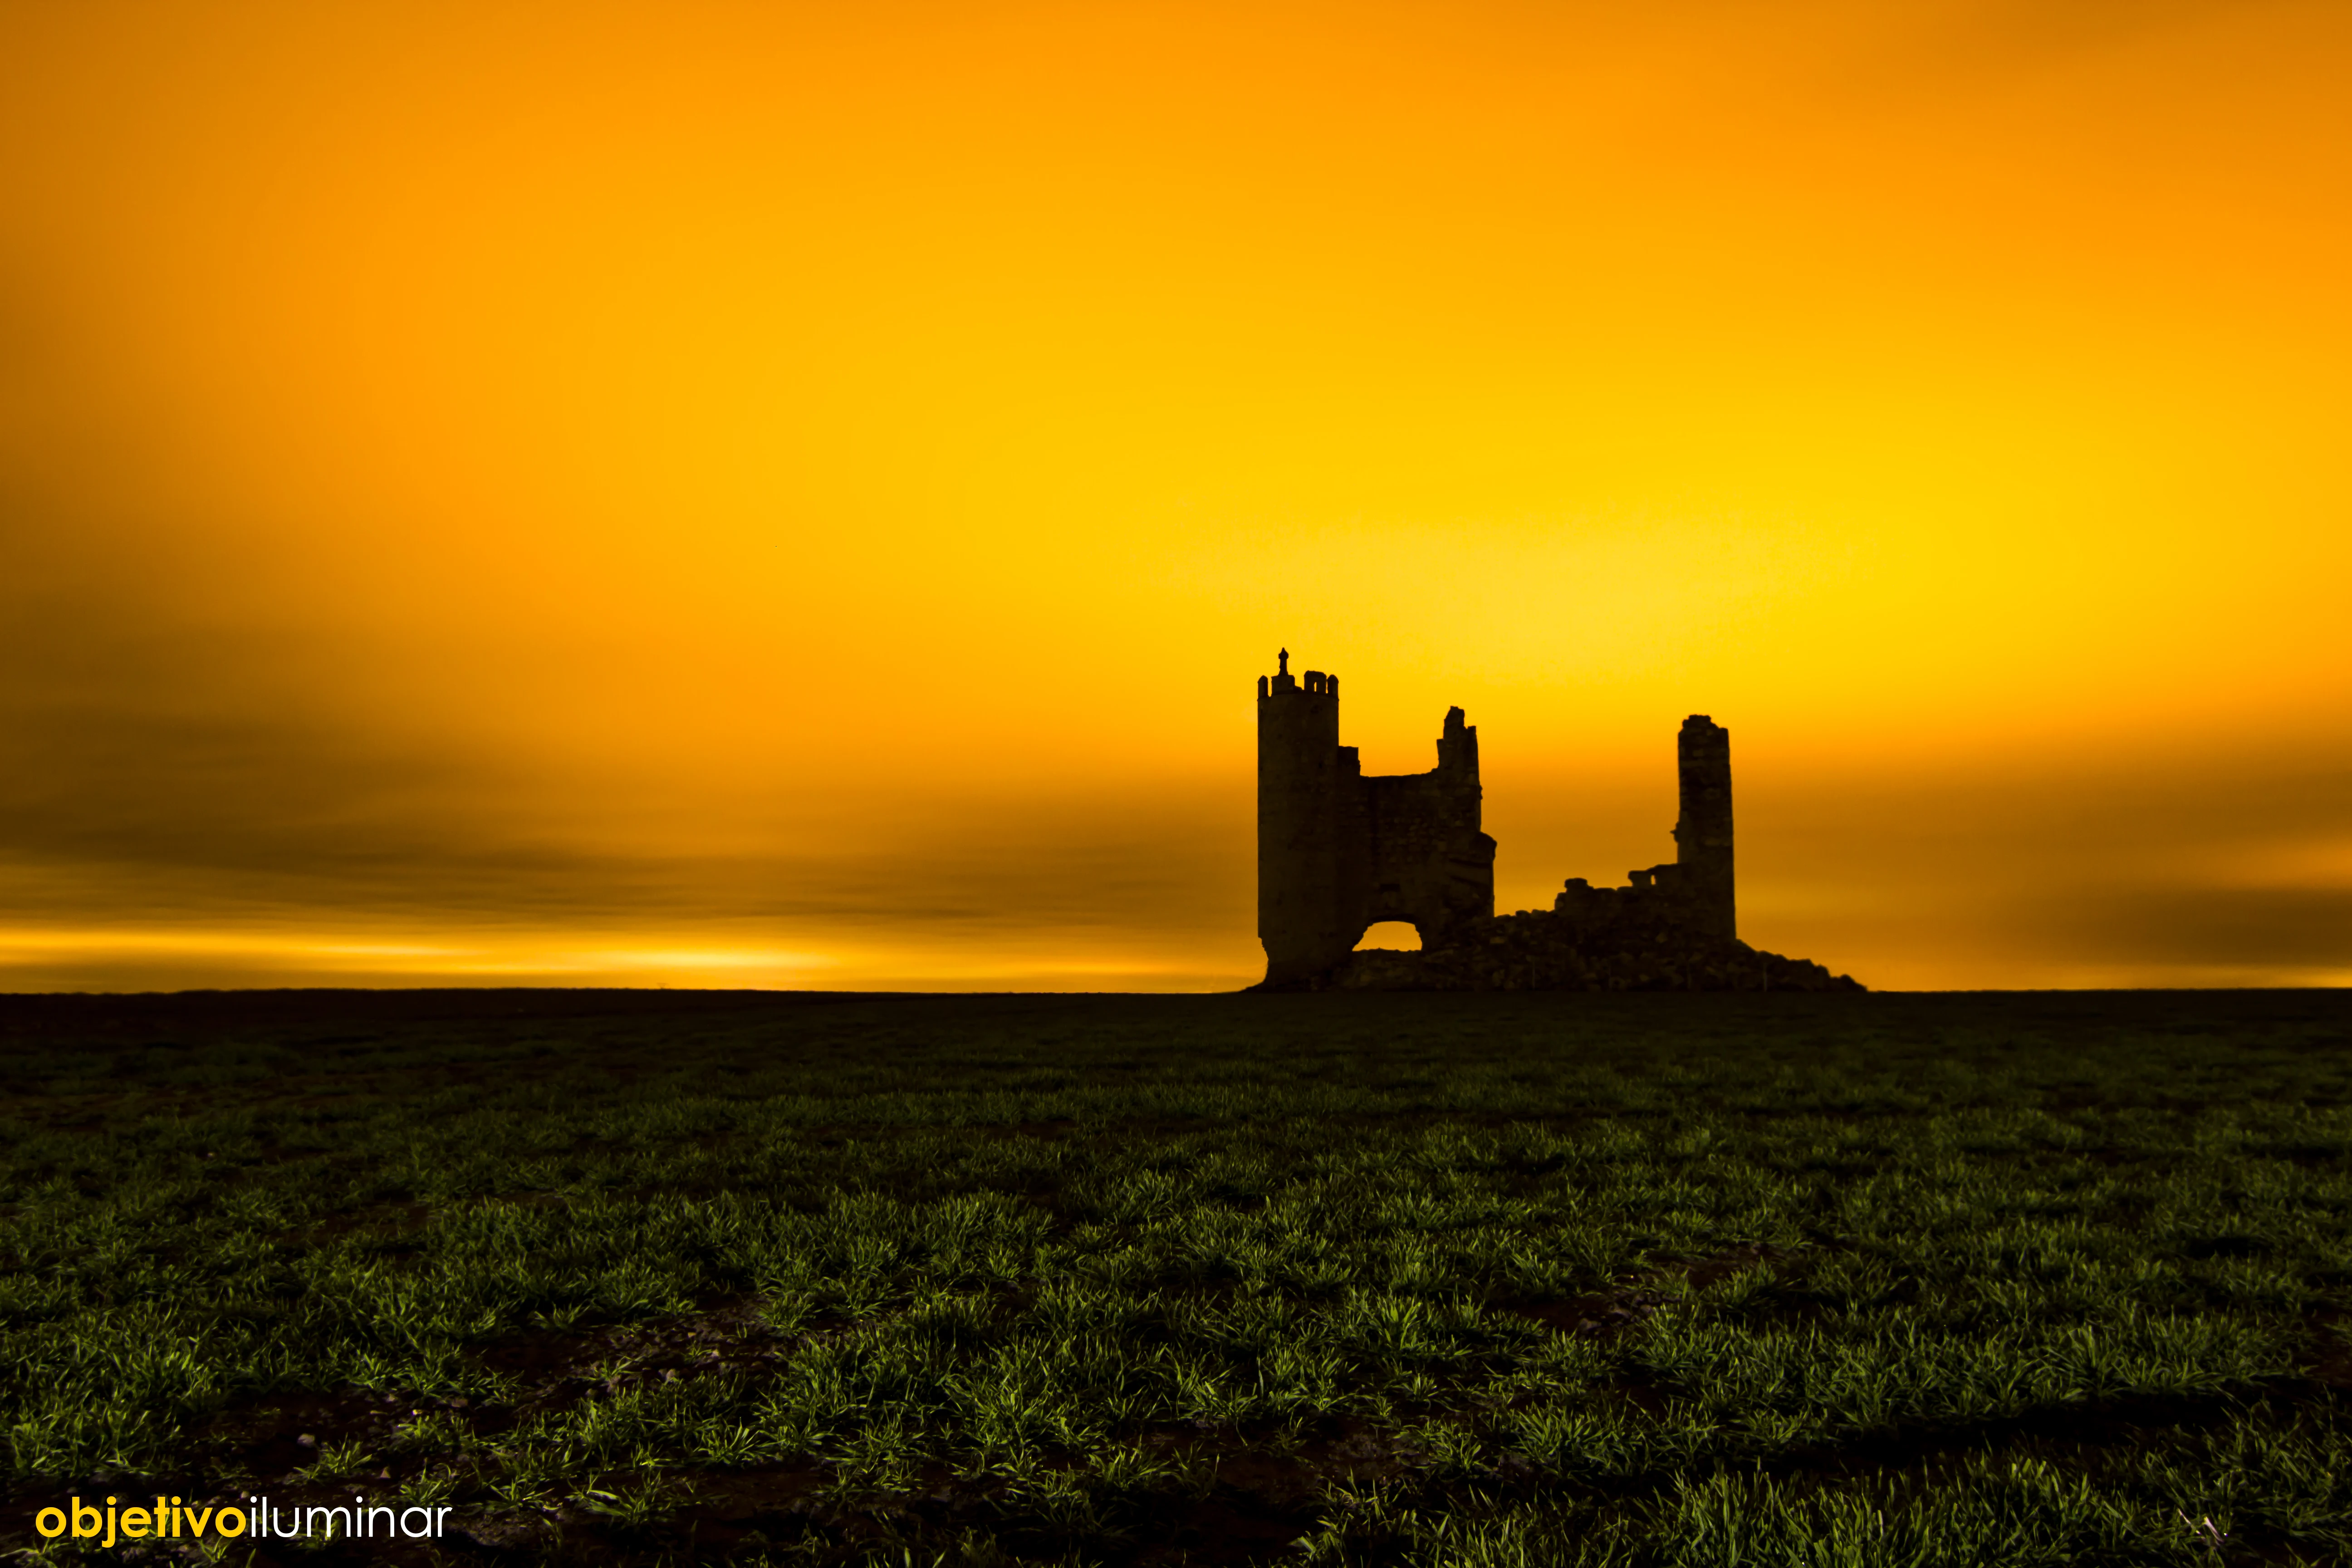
[798, 495]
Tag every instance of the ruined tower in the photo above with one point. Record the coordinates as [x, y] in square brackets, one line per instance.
[1703, 833]
[1338, 851]
[1299, 752]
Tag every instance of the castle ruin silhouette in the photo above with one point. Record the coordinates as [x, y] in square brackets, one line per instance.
[1339, 852]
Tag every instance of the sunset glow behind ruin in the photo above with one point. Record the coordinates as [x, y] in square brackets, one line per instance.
[794, 495]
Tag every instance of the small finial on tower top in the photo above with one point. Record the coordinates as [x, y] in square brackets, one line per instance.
[1282, 666]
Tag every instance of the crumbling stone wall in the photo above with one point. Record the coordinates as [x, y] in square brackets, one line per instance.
[1703, 828]
[1338, 851]
[1694, 889]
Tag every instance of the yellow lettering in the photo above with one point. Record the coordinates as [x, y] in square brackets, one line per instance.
[226, 1514]
[134, 1522]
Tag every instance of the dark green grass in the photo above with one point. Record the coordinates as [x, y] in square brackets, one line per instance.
[1750, 1280]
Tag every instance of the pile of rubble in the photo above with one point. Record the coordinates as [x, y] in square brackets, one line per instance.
[1542, 949]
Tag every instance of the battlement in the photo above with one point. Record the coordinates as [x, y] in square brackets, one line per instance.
[1312, 683]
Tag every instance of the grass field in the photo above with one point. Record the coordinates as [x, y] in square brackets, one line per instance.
[1478, 1279]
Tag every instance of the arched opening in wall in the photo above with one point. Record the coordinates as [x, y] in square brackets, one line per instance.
[1397, 936]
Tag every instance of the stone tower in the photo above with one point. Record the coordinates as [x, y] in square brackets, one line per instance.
[1703, 834]
[1338, 851]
